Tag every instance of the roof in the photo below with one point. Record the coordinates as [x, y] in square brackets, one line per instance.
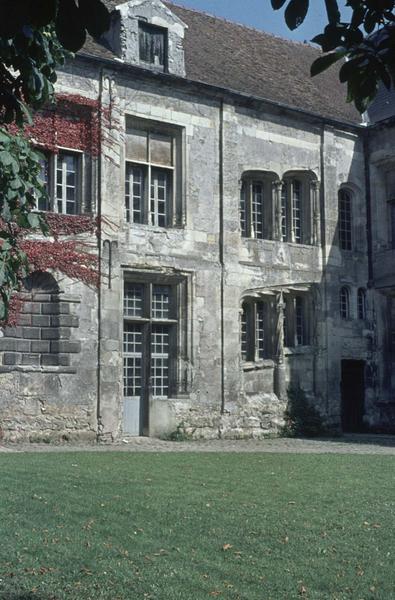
[245, 60]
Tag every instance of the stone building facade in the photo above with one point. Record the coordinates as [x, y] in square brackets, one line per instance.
[246, 246]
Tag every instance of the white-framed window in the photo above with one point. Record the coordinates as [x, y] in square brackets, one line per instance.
[361, 304]
[345, 219]
[296, 320]
[256, 205]
[256, 340]
[153, 45]
[62, 175]
[295, 211]
[344, 303]
[150, 337]
[153, 177]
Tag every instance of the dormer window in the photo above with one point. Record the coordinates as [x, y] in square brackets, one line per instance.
[153, 45]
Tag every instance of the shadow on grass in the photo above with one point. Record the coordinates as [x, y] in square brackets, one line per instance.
[371, 439]
[25, 596]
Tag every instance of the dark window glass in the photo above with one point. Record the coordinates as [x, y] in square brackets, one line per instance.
[152, 45]
[345, 220]
[344, 303]
[361, 304]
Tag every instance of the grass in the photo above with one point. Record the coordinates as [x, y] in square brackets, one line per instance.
[195, 526]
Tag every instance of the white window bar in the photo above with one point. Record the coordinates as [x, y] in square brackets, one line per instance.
[134, 194]
[161, 302]
[257, 209]
[67, 183]
[296, 211]
[284, 212]
[344, 303]
[159, 197]
[160, 361]
[132, 359]
[345, 220]
[243, 210]
[133, 300]
[260, 330]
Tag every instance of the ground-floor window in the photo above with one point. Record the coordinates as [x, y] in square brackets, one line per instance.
[149, 338]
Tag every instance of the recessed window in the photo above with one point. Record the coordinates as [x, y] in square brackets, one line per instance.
[256, 201]
[296, 320]
[344, 303]
[392, 222]
[361, 301]
[255, 331]
[153, 176]
[153, 45]
[345, 219]
[61, 174]
[294, 212]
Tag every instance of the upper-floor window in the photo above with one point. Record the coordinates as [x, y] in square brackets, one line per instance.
[391, 205]
[275, 210]
[62, 175]
[344, 303]
[345, 219]
[361, 304]
[153, 176]
[256, 206]
[153, 45]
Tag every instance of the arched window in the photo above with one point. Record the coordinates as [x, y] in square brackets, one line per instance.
[345, 219]
[344, 306]
[361, 304]
[256, 202]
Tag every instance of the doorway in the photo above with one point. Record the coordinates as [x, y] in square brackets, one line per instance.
[352, 395]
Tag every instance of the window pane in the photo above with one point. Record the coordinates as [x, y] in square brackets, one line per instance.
[260, 329]
[299, 321]
[66, 183]
[257, 209]
[133, 299]
[344, 303]
[161, 302]
[160, 188]
[392, 219]
[132, 359]
[160, 360]
[296, 211]
[243, 212]
[284, 212]
[244, 333]
[152, 44]
[345, 224]
[361, 304]
[134, 194]
[161, 147]
[137, 145]
[43, 203]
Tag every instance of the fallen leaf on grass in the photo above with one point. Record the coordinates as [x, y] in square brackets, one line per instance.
[302, 590]
[226, 547]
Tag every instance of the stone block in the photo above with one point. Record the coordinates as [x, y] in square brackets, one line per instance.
[31, 307]
[50, 360]
[64, 360]
[41, 320]
[15, 332]
[64, 321]
[64, 346]
[25, 319]
[40, 346]
[23, 345]
[11, 358]
[50, 308]
[50, 333]
[30, 359]
[8, 344]
[31, 333]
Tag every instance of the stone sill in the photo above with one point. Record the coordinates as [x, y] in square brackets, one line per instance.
[298, 350]
[259, 365]
[278, 242]
[36, 369]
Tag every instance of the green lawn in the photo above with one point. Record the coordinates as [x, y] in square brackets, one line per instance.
[195, 526]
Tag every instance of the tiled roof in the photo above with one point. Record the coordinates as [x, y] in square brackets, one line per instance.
[243, 59]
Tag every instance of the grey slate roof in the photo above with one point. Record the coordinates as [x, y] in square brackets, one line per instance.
[243, 59]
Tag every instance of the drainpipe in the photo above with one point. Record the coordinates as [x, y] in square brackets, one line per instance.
[99, 248]
[324, 260]
[221, 247]
[366, 152]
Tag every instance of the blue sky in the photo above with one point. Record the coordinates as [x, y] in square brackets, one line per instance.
[259, 14]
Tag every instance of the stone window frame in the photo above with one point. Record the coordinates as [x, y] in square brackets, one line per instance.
[391, 221]
[278, 206]
[175, 214]
[49, 171]
[151, 31]
[361, 304]
[180, 338]
[346, 234]
[297, 319]
[256, 338]
[345, 303]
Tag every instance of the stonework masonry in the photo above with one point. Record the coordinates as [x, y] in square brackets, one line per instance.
[246, 247]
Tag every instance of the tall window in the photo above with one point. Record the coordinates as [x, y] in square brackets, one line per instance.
[149, 343]
[361, 299]
[296, 320]
[295, 211]
[61, 174]
[345, 220]
[392, 222]
[344, 303]
[255, 331]
[150, 177]
[153, 45]
[256, 206]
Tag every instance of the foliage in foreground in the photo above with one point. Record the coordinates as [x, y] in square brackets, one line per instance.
[120, 526]
[301, 418]
[370, 58]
